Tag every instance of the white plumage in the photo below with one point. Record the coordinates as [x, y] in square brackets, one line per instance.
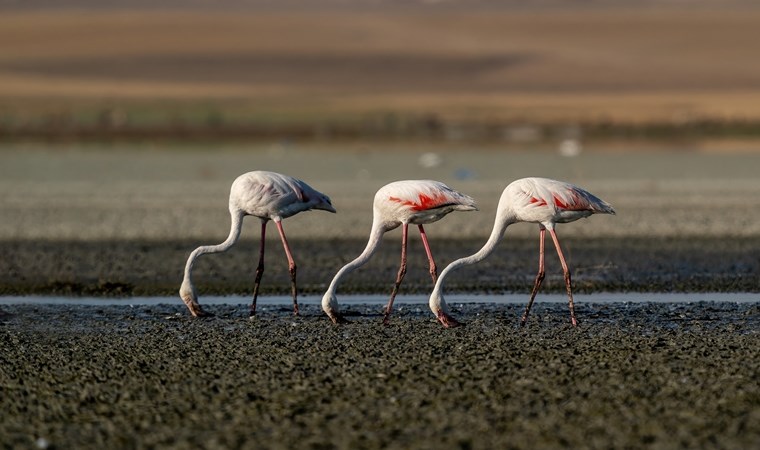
[268, 196]
[538, 200]
[271, 195]
[397, 204]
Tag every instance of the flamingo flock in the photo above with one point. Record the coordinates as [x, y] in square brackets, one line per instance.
[273, 196]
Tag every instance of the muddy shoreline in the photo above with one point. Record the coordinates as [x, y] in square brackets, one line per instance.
[631, 376]
[144, 267]
[675, 375]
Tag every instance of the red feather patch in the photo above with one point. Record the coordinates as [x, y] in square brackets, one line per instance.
[539, 202]
[425, 202]
[560, 204]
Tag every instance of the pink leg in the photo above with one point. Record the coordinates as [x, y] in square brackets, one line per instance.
[568, 284]
[401, 272]
[539, 277]
[259, 268]
[291, 266]
[431, 261]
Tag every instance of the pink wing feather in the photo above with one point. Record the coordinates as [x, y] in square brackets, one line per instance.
[423, 195]
[563, 196]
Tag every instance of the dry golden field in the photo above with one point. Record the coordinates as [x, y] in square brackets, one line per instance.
[501, 64]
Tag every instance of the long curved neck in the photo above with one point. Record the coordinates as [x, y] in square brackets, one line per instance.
[500, 225]
[375, 237]
[235, 227]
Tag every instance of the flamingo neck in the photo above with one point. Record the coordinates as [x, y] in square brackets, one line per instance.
[375, 237]
[235, 227]
[501, 223]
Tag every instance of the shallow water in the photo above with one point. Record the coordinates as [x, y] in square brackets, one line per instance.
[400, 300]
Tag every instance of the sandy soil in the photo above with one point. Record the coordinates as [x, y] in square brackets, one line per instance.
[590, 64]
[631, 376]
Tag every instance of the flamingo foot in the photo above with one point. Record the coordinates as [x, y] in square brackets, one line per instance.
[196, 311]
[195, 308]
[573, 321]
[338, 319]
[448, 321]
[387, 317]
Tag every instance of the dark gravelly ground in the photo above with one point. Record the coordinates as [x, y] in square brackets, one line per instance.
[692, 264]
[631, 376]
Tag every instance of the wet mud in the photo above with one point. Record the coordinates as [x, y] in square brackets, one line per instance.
[126, 268]
[630, 376]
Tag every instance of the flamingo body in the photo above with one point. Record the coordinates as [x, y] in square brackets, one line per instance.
[274, 196]
[536, 200]
[268, 196]
[417, 202]
[546, 201]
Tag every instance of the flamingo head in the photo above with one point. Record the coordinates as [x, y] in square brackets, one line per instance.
[324, 203]
[331, 308]
[190, 297]
[441, 309]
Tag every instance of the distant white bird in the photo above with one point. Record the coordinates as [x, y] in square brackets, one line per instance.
[397, 204]
[539, 200]
[268, 196]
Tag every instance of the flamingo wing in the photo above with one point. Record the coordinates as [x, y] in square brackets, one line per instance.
[424, 195]
[559, 197]
[274, 195]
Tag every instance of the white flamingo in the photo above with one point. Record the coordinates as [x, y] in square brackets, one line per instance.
[538, 200]
[268, 196]
[397, 204]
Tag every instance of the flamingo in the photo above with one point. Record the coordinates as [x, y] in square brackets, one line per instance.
[397, 204]
[268, 196]
[538, 200]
